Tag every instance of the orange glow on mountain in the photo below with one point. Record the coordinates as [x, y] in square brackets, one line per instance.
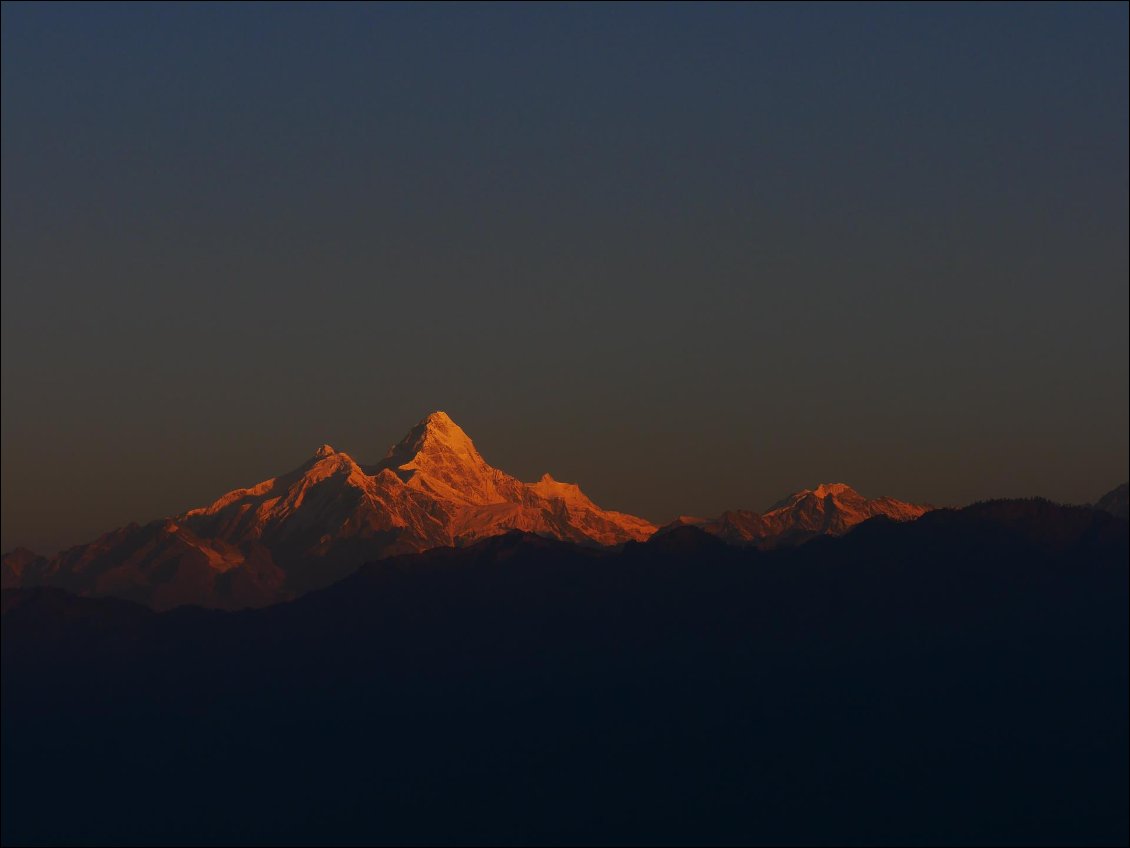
[317, 523]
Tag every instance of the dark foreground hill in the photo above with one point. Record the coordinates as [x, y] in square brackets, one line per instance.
[959, 679]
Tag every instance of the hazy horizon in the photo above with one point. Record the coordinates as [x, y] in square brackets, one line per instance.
[691, 258]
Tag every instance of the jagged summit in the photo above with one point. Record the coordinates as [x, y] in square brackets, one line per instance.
[836, 491]
[435, 435]
[324, 451]
[549, 488]
[437, 425]
[440, 420]
[832, 490]
[437, 457]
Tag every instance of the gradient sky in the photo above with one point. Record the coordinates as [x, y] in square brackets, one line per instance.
[693, 257]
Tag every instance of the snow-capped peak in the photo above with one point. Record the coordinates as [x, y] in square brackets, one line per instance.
[571, 493]
[833, 489]
[434, 434]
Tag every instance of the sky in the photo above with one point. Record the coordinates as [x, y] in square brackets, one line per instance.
[693, 257]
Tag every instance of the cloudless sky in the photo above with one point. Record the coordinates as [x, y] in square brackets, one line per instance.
[693, 257]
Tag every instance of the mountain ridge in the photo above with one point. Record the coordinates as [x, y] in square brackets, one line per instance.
[313, 525]
[829, 509]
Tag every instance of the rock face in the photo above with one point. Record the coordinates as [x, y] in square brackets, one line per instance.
[829, 509]
[318, 523]
[1116, 502]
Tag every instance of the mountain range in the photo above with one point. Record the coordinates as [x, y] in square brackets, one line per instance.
[318, 523]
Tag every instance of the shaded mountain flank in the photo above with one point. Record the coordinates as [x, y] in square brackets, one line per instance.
[959, 679]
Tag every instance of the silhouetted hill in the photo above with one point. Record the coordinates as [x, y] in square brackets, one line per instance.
[1116, 502]
[962, 678]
